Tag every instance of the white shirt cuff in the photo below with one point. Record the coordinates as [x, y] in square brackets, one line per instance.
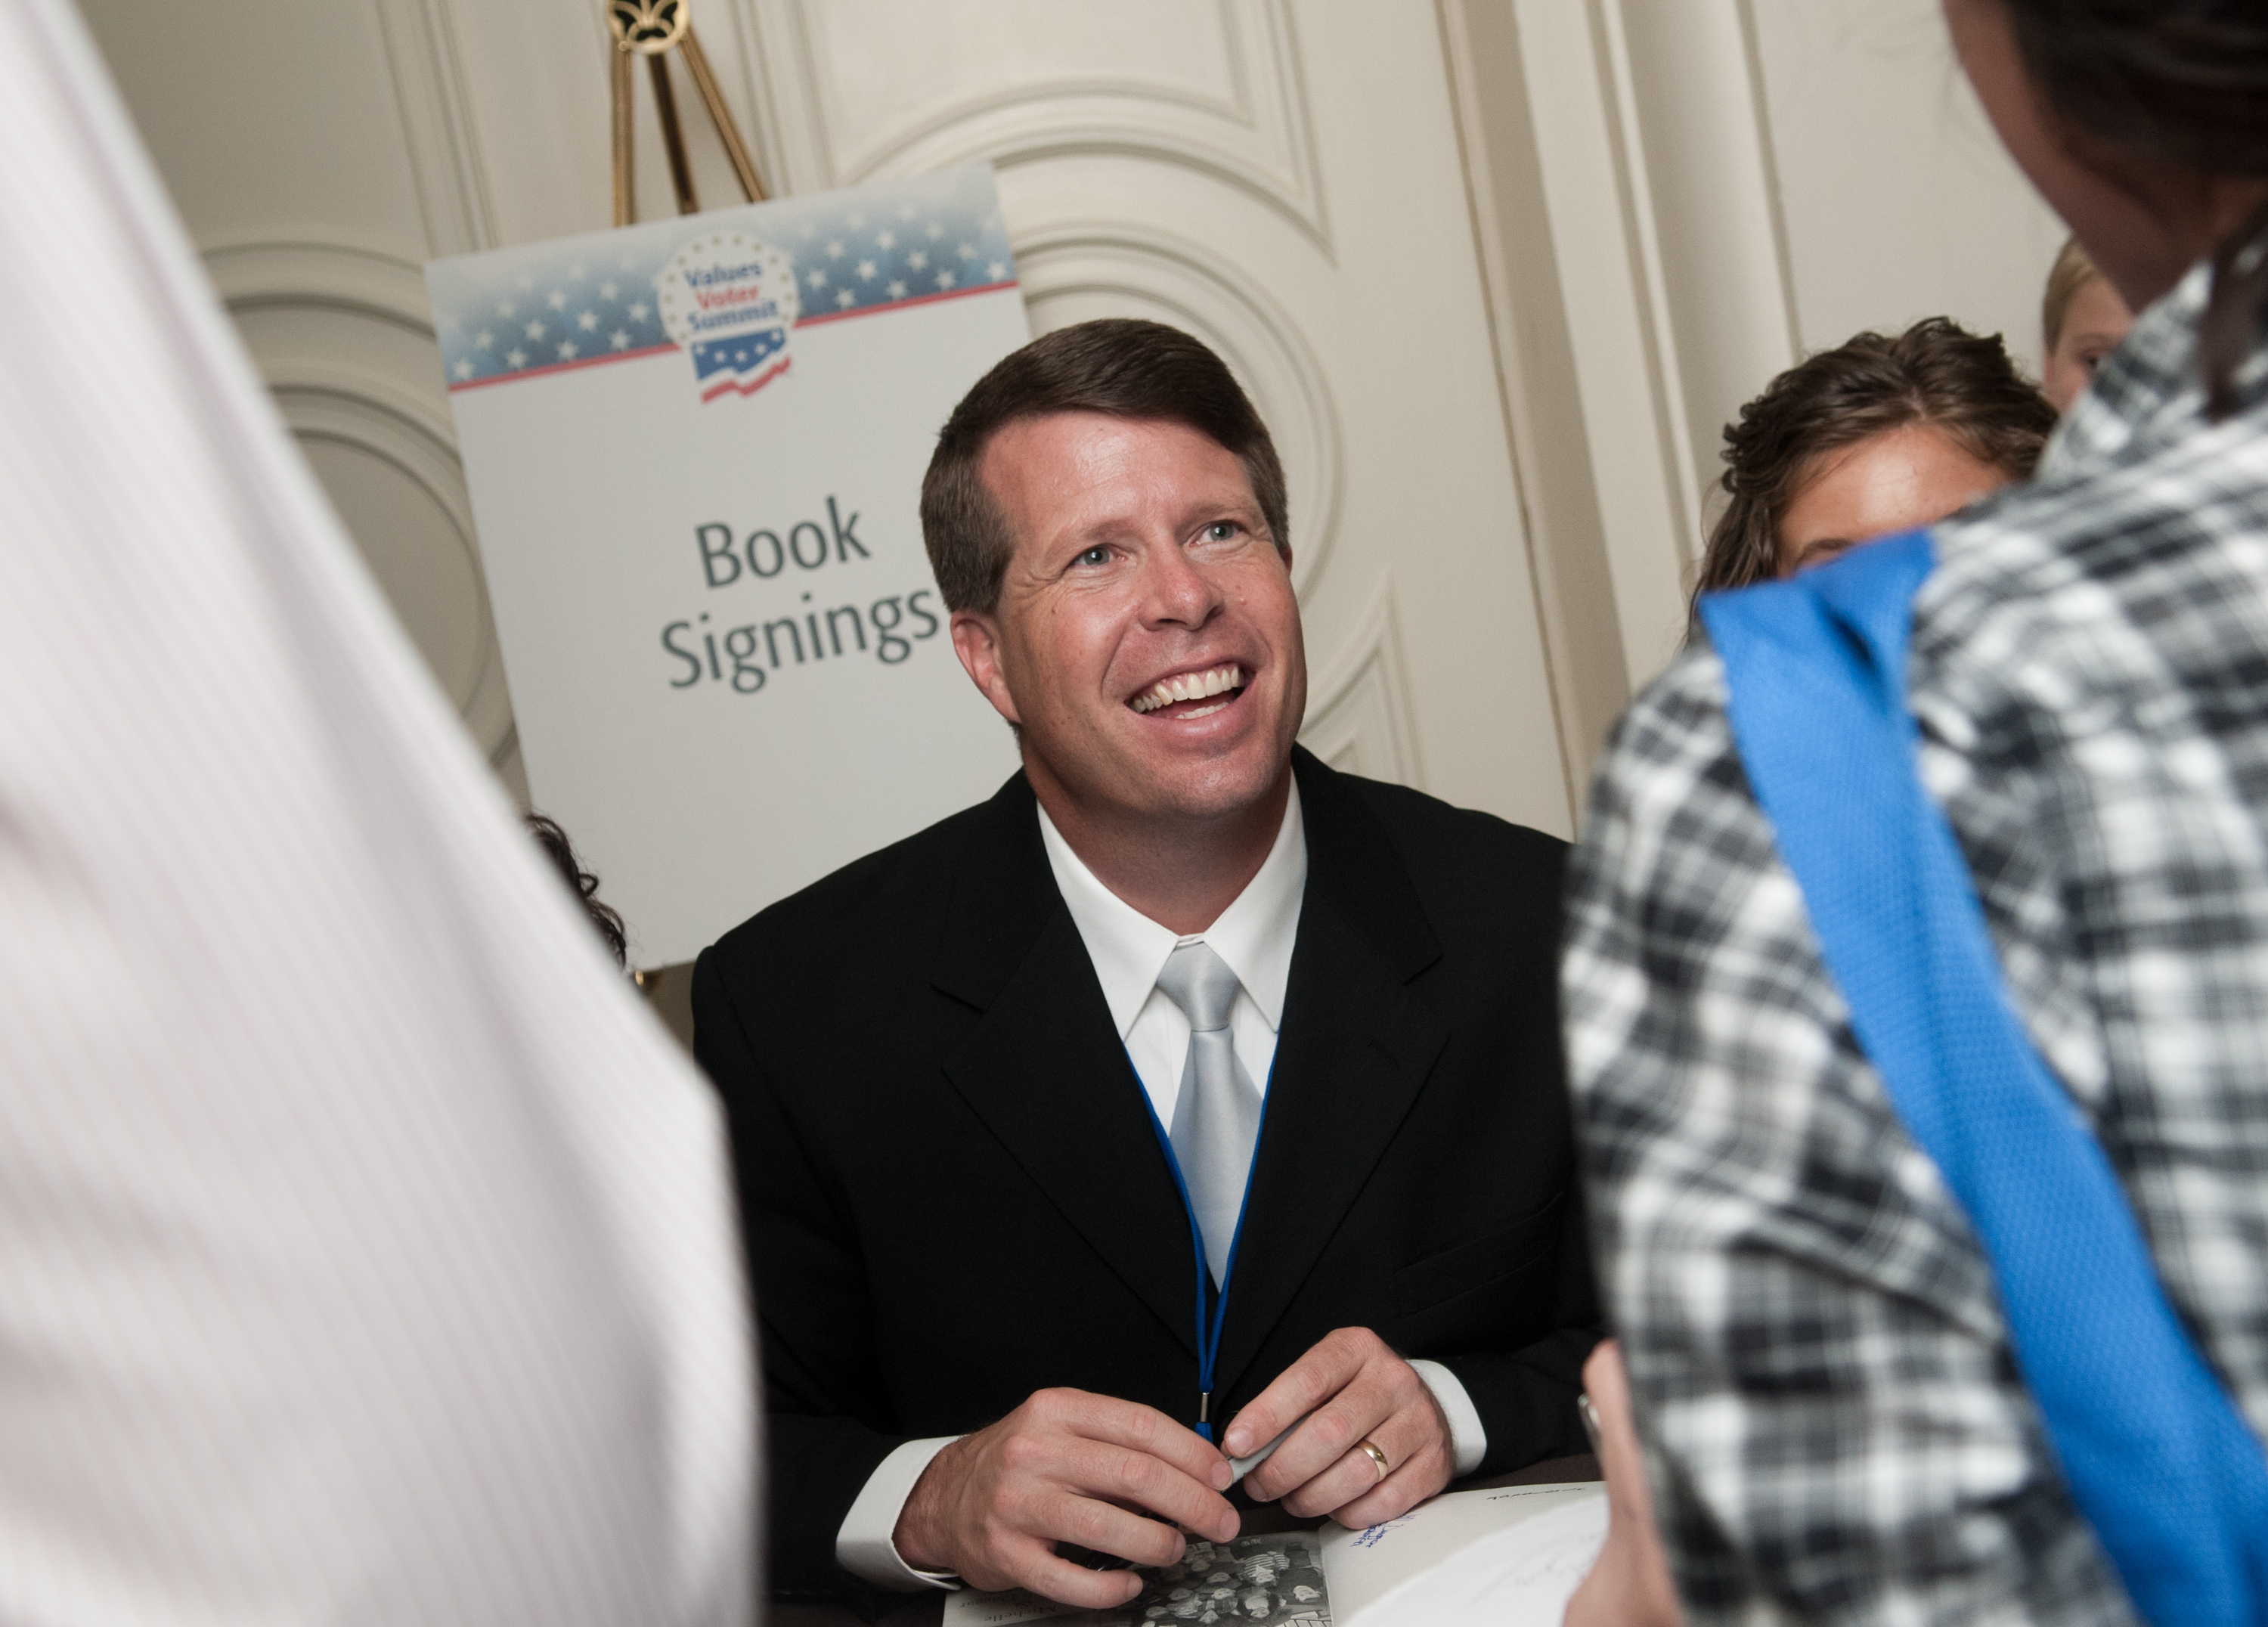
[863, 1545]
[1468, 1440]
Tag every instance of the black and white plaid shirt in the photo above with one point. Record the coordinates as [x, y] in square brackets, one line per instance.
[1815, 1345]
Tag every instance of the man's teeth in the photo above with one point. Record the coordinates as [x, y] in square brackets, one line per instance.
[1190, 687]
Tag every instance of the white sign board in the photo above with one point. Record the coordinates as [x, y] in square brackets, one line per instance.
[695, 449]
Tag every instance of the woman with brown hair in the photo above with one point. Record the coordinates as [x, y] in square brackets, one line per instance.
[1878, 435]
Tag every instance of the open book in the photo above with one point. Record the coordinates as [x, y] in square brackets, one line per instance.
[1508, 1557]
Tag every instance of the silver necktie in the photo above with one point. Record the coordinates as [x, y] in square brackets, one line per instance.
[1217, 1117]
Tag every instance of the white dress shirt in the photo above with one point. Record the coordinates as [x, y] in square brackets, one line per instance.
[369, 1251]
[1255, 936]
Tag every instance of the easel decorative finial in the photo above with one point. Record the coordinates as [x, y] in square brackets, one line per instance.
[652, 29]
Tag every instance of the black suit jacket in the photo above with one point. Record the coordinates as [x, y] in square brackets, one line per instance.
[954, 1196]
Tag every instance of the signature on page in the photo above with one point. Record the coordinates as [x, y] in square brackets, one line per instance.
[1369, 1536]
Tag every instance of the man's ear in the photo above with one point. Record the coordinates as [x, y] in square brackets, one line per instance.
[977, 641]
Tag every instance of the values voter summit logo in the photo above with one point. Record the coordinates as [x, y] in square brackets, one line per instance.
[731, 289]
[729, 301]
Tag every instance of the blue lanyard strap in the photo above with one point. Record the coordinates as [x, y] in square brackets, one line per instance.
[1208, 1327]
[2154, 1450]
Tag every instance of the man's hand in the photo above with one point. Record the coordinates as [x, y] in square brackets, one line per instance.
[1629, 1585]
[1358, 1390]
[1065, 1467]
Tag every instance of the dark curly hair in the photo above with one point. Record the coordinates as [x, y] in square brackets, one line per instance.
[2182, 84]
[1936, 372]
[604, 917]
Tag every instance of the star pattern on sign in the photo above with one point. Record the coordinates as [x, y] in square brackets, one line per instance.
[918, 239]
[917, 249]
[600, 312]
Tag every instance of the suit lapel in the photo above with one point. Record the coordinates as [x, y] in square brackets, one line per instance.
[1353, 1052]
[1045, 1070]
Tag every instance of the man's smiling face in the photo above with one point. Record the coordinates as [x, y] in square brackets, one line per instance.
[1145, 639]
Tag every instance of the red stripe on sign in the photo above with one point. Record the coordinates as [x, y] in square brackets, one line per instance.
[729, 386]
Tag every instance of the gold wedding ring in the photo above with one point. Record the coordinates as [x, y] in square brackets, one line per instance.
[1376, 1456]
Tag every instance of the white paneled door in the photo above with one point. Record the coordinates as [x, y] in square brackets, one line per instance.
[1282, 180]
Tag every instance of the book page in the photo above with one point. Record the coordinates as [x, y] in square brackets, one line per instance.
[1258, 1581]
[1468, 1555]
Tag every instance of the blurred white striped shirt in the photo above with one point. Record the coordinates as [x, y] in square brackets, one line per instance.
[365, 1251]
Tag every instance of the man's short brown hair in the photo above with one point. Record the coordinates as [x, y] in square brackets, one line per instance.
[1116, 365]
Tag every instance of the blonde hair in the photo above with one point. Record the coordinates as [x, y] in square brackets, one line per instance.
[2073, 270]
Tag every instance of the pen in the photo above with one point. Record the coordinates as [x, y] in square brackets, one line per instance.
[1243, 1466]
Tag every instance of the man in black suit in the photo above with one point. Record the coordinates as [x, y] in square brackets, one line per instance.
[995, 1092]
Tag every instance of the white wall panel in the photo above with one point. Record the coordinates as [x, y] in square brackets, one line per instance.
[268, 119]
[1899, 200]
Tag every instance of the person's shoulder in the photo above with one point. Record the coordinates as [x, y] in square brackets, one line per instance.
[2098, 576]
[2138, 500]
[1668, 788]
[877, 896]
[1674, 735]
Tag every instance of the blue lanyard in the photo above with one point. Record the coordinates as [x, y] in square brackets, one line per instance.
[1208, 1327]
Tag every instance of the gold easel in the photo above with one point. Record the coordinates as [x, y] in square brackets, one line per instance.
[652, 29]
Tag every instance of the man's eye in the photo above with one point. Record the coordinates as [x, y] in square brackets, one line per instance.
[1221, 531]
[1096, 555]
